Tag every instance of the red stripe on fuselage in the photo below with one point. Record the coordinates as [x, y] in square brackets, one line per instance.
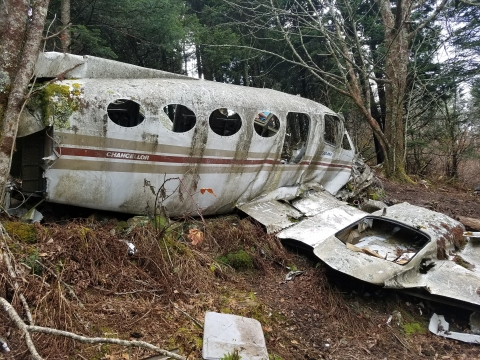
[123, 155]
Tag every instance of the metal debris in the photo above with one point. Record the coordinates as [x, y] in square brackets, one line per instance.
[395, 318]
[225, 334]
[439, 326]
[3, 346]
[475, 323]
[131, 248]
[472, 235]
[361, 178]
[293, 274]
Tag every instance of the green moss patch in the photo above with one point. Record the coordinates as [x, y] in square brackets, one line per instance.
[239, 260]
[414, 328]
[57, 104]
[22, 232]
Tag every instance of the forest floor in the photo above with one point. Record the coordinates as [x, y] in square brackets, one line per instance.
[236, 268]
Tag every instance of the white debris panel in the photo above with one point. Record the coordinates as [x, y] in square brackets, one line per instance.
[443, 262]
[226, 334]
[439, 326]
[401, 247]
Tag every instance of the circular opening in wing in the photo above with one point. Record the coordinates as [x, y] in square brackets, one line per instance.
[266, 124]
[126, 113]
[225, 122]
[178, 118]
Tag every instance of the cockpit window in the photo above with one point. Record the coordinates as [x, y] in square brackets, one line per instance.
[266, 123]
[225, 122]
[126, 113]
[332, 126]
[296, 137]
[178, 118]
[346, 143]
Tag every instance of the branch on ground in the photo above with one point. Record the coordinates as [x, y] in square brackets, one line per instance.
[27, 329]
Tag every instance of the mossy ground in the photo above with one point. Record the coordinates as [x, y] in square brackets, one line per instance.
[140, 296]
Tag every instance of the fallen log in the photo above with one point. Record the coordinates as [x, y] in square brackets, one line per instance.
[470, 223]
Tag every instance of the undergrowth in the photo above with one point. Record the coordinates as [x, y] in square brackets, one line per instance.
[108, 289]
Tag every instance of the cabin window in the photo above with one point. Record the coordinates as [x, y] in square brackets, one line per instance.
[178, 118]
[296, 137]
[332, 126]
[266, 123]
[126, 113]
[346, 143]
[225, 122]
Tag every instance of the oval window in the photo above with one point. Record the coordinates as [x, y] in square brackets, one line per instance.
[225, 122]
[126, 113]
[178, 118]
[266, 124]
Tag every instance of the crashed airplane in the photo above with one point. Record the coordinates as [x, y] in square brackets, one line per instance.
[96, 139]
[106, 135]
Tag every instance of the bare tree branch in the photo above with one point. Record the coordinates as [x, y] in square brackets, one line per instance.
[429, 19]
[26, 329]
[95, 340]
[12, 314]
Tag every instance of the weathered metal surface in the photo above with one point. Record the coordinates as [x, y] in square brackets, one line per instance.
[94, 162]
[224, 334]
[52, 64]
[308, 216]
[273, 214]
[321, 223]
[439, 326]
[408, 247]
[445, 265]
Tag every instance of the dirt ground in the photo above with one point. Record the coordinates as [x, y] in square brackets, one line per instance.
[154, 295]
[453, 201]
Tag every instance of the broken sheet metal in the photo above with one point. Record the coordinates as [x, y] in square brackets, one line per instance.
[274, 215]
[361, 178]
[472, 235]
[309, 218]
[400, 247]
[4, 346]
[224, 334]
[410, 247]
[439, 326]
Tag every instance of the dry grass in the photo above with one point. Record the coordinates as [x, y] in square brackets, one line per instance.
[119, 291]
[138, 296]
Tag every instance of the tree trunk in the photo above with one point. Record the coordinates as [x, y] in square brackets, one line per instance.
[21, 31]
[65, 37]
[198, 54]
[246, 77]
[396, 61]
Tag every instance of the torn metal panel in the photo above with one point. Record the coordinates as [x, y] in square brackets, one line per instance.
[314, 230]
[410, 247]
[273, 214]
[308, 218]
[317, 202]
[224, 334]
[439, 326]
[472, 235]
[360, 179]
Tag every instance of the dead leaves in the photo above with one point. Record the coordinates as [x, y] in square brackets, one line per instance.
[195, 236]
[204, 190]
